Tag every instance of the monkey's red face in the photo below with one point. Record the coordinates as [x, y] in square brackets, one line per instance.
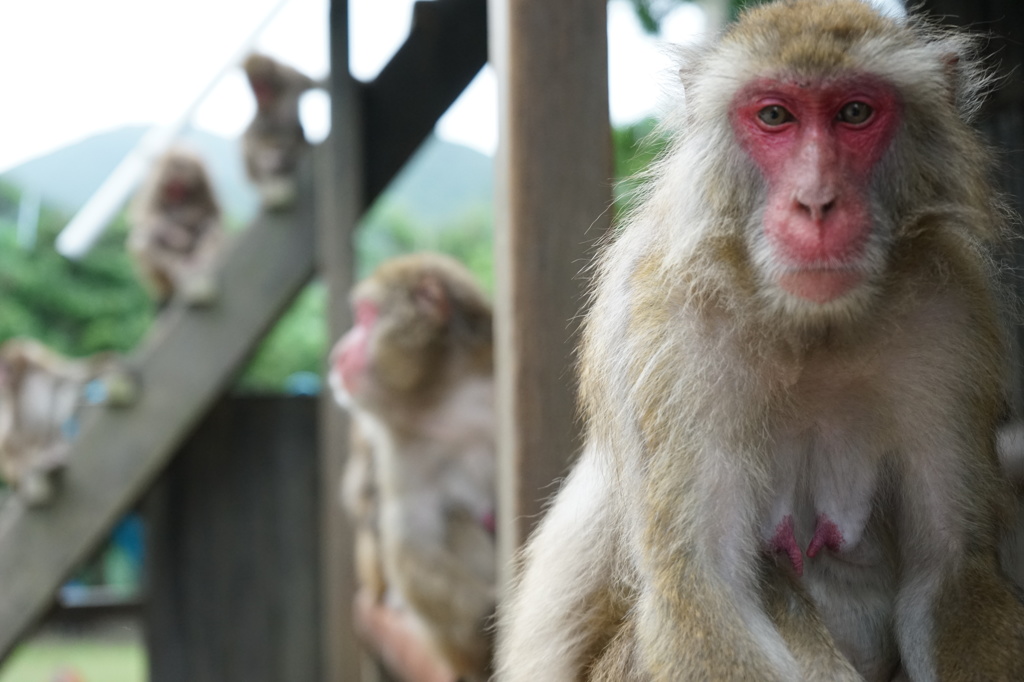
[350, 357]
[176, 191]
[817, 145]
[264, 91]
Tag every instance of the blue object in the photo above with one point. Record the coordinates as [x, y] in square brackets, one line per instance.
[95, 392]
[303, 383]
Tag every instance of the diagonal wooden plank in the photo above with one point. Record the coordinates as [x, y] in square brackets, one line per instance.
[446, 47]
[185, 363]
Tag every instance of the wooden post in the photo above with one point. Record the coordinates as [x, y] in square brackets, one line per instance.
[553, 199]
[339, 200]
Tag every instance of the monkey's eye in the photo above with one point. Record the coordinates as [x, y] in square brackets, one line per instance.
[774, 115]
[855, 112]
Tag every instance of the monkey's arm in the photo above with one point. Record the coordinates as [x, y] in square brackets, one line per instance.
[563, 604]
[41, 360]
[7, 413]
[958, 617]
[158, 232]
[358, 489]
[449, 595]
[396, 640]
[359, 496]
[252, 169]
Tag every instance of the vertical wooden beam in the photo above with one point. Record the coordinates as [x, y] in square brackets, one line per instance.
[553, 198]
[339, 196]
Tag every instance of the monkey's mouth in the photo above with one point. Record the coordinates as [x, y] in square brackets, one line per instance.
[820, 285]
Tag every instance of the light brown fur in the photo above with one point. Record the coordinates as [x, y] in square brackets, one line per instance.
[41, 393]
[713, 398]
[360, 498]
[274, 142]
[424, 404]
[176, 234]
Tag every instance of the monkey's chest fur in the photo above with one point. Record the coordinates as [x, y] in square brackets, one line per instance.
[836, 441]
[828, 529]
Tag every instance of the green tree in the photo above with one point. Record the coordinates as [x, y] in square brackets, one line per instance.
[97, 303]
[296, 345]
[389, 231]
[77, 307]
[635, 146]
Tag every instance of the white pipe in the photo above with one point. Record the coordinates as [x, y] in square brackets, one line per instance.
[85, 228]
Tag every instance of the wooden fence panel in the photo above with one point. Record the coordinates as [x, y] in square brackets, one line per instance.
[233, 541]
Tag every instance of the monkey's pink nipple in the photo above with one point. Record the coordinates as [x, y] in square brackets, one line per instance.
[784, 542]
[827, 535]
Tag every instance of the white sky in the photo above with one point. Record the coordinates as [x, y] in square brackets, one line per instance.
[72, 68]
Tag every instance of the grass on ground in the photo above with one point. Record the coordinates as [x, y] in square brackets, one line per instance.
[94, 660]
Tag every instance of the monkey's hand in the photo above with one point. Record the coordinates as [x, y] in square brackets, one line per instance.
[277, 192]
[398, 641]
[199, 290]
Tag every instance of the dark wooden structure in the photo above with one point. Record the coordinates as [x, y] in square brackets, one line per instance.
[233, 579]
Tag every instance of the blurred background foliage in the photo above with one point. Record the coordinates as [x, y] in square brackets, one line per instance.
[78, 307]
[97, 303]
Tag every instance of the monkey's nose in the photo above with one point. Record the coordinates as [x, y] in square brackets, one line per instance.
[816, 210]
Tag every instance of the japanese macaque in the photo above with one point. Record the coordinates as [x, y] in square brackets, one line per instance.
[176, 235]
[416, 372]
[41, 393]
[792, 375]
[274, 141]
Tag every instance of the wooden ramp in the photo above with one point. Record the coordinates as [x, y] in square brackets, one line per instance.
[189, 358]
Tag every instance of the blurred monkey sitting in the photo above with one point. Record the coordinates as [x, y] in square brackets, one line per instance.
[274, 141]
[176, 234]
[41, 393]
[416, 372]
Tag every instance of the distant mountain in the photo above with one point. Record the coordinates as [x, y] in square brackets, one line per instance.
[67, 177]
[440, 182]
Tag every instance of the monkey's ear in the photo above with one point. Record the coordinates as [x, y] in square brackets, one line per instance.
[689, 62]
[969, 80]
[431, 298]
